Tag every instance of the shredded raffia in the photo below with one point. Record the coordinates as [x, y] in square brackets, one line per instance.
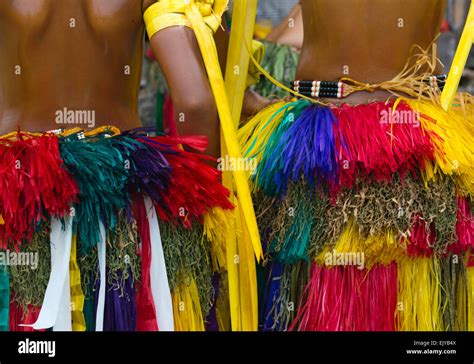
[27, 284]
[420, 306]
[390, 180]
[121, 258]
[34, 185]
[188, 314]
[100, 170]
[216, 227]
[343, 299]
[187, 260]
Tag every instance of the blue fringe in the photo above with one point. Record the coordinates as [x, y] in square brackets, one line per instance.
[266, 176]
[303, 144]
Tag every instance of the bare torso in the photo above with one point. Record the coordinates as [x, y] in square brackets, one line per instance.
[367, 40]
[79, 55]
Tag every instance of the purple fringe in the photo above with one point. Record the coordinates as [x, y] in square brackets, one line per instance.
[120, 310]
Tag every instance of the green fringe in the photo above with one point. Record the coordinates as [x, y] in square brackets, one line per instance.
[296, 227]
[299, 224]
[121, 256]
[187, 256]
[453, 278]
[382, 207]
[4, 298]
[376, 208]
[284, 308]
[98, 166]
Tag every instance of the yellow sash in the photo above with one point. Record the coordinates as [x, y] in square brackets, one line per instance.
[204, 17]
[77, 296]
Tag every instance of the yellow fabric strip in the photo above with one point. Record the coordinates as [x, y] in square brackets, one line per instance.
[459, 62]
[242, 275]
[204, 16]
[209, 52]
[77, 296]
[187, 309]
[238, 58]
[166, 13]
[258, 52]
[233, 265]
[248, 286]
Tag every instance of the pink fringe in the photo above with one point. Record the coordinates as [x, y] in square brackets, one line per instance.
[377, 147]
[464, 228]
[348, 299]
[421, 241]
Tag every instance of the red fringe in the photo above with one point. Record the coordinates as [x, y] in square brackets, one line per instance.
[372, 147]
[18, 317]
[464, 228]
[33, 185]
[146, 313]
[168, 117]
[421, 241]
[348, 299]
[195, 186]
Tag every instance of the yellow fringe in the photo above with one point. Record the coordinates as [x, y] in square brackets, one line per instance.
[187, 309]
[470, 299]
[217, 224]
[254, 135]
[419, 295]
[454, 152]
[377, 249]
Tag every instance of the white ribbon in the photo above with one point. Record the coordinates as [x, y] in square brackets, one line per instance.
[101, 248]
[158, 278]
[56, 308]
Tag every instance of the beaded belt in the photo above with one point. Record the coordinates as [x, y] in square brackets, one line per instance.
[342, 89]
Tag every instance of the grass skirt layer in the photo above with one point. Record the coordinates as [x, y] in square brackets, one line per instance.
[373, 197]
[95, 178]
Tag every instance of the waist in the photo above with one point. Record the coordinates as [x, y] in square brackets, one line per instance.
[67, 118]
[318, 65]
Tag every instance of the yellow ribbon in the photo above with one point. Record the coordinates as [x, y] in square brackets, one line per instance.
[168, 13]
[204, 17]
[459, 62]
[187, 308]
[258, 52]
[241, 263]
[77, 296]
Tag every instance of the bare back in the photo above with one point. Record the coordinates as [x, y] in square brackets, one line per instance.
[78, 55]
[367, 40]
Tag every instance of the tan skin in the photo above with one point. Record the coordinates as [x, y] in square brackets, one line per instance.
[96, 65]
[364, 35]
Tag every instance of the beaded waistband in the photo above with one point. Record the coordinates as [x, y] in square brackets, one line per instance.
[342, 89]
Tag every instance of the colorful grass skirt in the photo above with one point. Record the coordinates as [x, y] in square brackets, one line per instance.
[366, 215]
[109, 231]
